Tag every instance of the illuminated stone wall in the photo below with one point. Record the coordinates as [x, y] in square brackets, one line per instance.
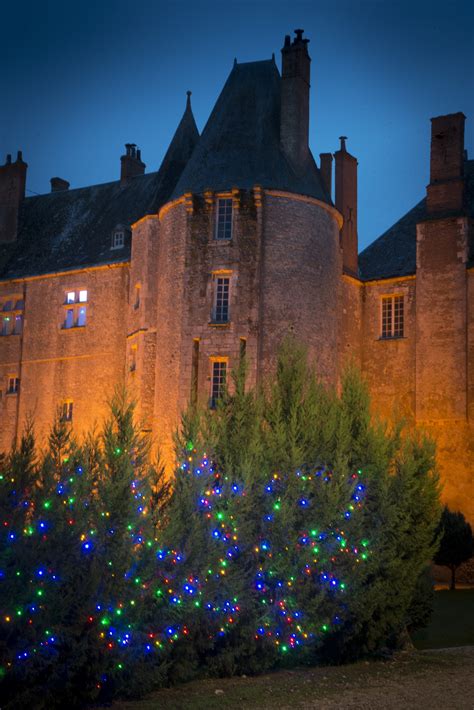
[55, 364]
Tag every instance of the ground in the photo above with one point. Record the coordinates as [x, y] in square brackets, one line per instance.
[419, 680]
[439, 675]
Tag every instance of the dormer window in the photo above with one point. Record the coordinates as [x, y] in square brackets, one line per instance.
[118, 239]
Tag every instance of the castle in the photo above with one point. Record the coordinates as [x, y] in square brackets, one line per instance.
[166, 279]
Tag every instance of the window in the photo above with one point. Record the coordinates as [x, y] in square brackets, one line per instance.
[75, 314]
[118, 240]
[218, 381]
[66, 411]
[392, 316]
[136, 305]
[243, 348]
[13, 385]
[220, 311]
[18, 327]
[6, 325]
[11, 316]
[195, 372]
[133, 358]
[224, 219]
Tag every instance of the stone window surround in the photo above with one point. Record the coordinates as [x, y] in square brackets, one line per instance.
[74, 306]
[392, 296]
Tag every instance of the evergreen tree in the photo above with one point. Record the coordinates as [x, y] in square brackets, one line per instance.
[456, 542]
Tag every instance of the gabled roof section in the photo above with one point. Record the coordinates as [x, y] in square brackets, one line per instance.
[240, 145]
[394, 253]
[73, 229]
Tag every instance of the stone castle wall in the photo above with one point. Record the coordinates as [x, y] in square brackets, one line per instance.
[55, 364]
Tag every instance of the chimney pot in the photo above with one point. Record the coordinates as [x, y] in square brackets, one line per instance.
[131, 163]
[446, 189]
[12, 194]
[294, 112]
[346, 203]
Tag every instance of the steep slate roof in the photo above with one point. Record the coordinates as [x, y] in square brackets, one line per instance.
[394, 253]
[240, 145]
[73, 228]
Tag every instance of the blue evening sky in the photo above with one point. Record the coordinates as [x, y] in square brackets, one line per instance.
[80, 79]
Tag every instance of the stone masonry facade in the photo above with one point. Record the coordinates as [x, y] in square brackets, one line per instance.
[164, 281]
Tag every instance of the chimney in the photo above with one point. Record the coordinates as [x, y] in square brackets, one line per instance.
[326, 172]
[58, 184]
[446, 189]
[294, 116]
[12, 193]
[131, 164]
[346, 203]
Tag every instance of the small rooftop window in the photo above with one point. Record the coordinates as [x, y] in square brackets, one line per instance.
[118, 239]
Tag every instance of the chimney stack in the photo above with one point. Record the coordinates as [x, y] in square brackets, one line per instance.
[326, 172]
[58, 184]
[346, 203]
[445, 193]
[12, 194]
[294, 116]
[131, 164]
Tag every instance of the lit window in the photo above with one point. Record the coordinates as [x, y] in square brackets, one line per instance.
[66, 411]
[224, 219]
[220, 313]
[218, 381]
[392, 317]
[6, 325]
[118, 240]
[76, 312]
[11, 320]
[13, 385]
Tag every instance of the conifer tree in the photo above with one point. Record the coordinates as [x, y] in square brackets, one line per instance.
[456, 542]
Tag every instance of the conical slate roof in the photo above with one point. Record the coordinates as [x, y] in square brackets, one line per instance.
[240, 145]
[73, 228]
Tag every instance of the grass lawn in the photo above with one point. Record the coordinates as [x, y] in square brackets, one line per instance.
[452, 623]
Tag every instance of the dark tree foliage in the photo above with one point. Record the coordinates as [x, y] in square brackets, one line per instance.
[296, 528]
[456, 542]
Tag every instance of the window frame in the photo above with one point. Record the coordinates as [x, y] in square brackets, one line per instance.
[76, 301]
[67, 410]
[12, 309]
[115, 235]
[213, 395]
[225, 276]
[396, 329]
[15, 389]
[227, 224]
